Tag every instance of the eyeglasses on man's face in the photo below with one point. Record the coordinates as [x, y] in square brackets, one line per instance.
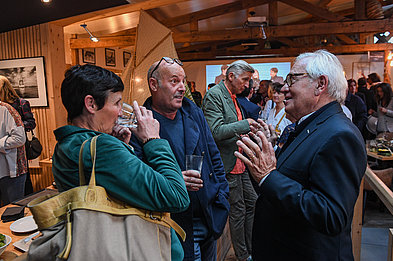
[290, 79]
[168, 60]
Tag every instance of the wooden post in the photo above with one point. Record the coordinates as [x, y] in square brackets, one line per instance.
[386, 68]
[357, 224]
[360, 10]
[273, 13]
[390, 245]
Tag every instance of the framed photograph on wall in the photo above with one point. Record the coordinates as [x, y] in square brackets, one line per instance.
[89, 55]
[110, 58]
[27, 77]
[126, 58]
[359, 69]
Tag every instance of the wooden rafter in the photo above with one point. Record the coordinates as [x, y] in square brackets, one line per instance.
[105, 42]
[224, 35]
[273, 13]
[213, 11]
[349, 27]
[360, 48]
[324, 3]
[346, 39]
[289, 42]
[346, 27]
[314, 10]
[360, 9]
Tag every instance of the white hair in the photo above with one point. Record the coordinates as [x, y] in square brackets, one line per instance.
[322, 62]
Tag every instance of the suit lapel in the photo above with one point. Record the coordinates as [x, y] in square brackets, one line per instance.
[191, 133]
[298, 140]
[227, 97]
[310, 128]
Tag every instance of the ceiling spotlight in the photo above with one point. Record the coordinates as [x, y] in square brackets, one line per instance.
[92, 37]
[46, 1]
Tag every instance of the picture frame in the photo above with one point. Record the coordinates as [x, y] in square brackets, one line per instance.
[27, 77]
[89, 55]
[126, 58]
[359, 69]
[110, 57]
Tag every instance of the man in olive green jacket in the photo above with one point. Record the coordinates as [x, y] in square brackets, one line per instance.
[226, 121]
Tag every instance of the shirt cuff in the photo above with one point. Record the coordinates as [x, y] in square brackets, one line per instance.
[263, 179]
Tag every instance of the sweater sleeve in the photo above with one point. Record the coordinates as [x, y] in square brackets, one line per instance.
[14, 135]
[157, 185]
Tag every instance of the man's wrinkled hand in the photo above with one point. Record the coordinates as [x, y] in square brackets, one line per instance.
[260, 159]
[193, 180]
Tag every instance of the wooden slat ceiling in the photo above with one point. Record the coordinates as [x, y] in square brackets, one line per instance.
[207, 29]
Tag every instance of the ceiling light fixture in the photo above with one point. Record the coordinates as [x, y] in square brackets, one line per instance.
[46, 1]
[92, 37]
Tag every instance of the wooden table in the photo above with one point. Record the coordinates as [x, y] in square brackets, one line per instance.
[11, 252]
[380, 157]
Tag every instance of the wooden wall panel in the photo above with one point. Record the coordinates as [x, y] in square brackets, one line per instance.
[41, 40]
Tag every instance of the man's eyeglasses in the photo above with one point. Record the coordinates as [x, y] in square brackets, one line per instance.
[168, 60]
[289, 80]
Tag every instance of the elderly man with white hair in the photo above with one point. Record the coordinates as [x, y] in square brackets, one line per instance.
[308, 191]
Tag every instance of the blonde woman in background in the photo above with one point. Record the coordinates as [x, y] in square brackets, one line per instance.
[22, 106]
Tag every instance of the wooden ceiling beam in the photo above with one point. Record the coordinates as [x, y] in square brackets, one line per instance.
[128, 32]
[324, 3]
[119, 10]
[310, 19]
[360, 48]
[221, 35]
[105, 42]
[349, 27]
[315, 10]
[346, 39]
[346, 27]
[273, 13]
[360, 9]
[213, 11]
[289, 42]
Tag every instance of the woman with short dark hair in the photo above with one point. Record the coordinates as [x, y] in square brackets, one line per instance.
[92, 97]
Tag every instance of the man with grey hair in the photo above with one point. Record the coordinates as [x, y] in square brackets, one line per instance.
[227, 122]
[308, 193]
[183, 125]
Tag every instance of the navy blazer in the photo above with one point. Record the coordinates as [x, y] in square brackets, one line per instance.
[306, 205]
[214, 194]
[250, 109]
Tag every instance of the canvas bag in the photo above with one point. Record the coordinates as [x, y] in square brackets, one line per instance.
[84, 223]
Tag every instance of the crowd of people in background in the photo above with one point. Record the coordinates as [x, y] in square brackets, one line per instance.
[367, 103]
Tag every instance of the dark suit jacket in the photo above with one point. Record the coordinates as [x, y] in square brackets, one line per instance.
[250, 109]
[212, 197]
[306, 205]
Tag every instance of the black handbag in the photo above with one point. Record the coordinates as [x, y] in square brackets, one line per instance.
[33, 147]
